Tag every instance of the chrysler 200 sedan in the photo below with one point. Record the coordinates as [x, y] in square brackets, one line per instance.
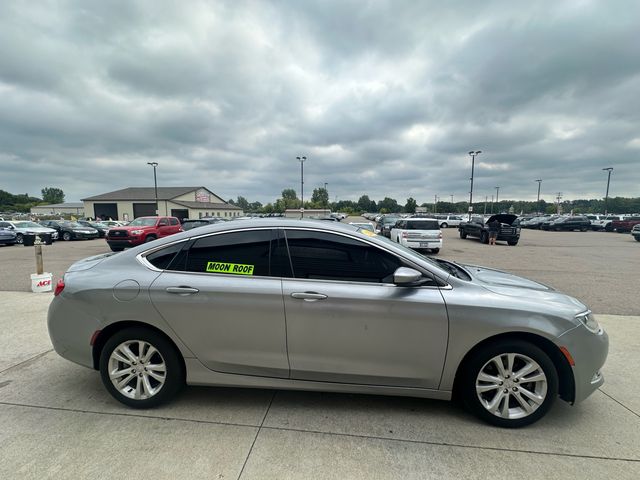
[312, 305]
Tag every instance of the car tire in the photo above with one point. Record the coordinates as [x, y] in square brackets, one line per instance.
[435, 250]
[149, 238]
[66, 236]
[121, 359]
[484, 238]
[584, 229]
[116, 249]
[496, 396]
[637, 238]
[463, 234]
[444, 225]
[19, 239]
[513, 243]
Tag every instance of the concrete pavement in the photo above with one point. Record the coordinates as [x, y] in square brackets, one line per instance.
[59, 422]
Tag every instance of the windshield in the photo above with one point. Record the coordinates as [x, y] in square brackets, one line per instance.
[143, 222]
[390, 220]
[423, 225]
[27, 225]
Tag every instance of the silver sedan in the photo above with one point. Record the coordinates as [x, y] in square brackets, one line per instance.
[316, 305]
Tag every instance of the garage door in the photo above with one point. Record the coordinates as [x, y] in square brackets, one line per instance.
[105, 211]
[144, 210]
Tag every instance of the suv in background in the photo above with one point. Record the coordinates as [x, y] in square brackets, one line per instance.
[635, 231]
[448, 220]
[386, 224]
[576, 222]
[604, 222]
[142, 230]
[418, 233]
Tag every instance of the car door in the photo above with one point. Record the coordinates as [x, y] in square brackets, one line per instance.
[174, 223]
[346, 321]
[223, 298]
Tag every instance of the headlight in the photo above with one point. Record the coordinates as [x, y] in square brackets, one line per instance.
[137, 232]
[589, 321]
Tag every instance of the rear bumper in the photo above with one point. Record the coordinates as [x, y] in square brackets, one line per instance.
[419, 244]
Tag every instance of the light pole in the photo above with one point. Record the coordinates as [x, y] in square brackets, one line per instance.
[486, 197]
[301, 160]
[606, 197]
[491, 204]
[497, 204]
[473, 161]
[435, 204]
[539, 180]
[452, 200]
[155, 182]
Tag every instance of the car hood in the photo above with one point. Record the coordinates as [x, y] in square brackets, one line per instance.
[508, 284]
[129, 228]
[35, 229]
[503, 218]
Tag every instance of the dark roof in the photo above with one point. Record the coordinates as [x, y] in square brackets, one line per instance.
[62, 205]
[207, 205]
[144, 193]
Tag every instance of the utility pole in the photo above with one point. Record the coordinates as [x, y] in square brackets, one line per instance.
[452, 199]
[435, 203]
[497, 204]
[491, 204]
[473, 162]
[606, 197]
[155, 182]
[301, 160]
[327, 192]
[485, 204]
[539, 182]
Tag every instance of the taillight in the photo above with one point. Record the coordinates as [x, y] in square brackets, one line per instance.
[59, 287]
[405, 234]
[440, 235]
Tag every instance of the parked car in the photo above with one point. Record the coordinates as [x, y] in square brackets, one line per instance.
[24, 227]
[101, 229]
[363, 315]
[574, 222]
[604, 223]
[449, 220]
[418, 233]
[626, 224]
[113, 223]
[142, 230]
[536, 222]
[199, 222]
[386, 223]
[364, 226]
[7, 236]
[478, 228]
[68, 230]
[635, 231]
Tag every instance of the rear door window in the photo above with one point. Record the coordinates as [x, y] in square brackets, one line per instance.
[238, 253]
[423, 225]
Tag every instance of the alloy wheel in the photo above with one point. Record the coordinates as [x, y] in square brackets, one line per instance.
[137, 369]
[511, 386]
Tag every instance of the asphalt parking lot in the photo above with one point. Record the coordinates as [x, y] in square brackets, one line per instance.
[59, 422]
[600, 268]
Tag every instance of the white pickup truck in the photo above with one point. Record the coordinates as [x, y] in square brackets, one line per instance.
[418, 233]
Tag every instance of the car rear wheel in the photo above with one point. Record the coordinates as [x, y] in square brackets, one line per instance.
[484, 238]
[463, 234]
[435, 250]
[141, 368]
[509, 384]
[66, 236]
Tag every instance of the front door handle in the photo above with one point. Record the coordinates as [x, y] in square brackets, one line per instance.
[309, 296]
[182, 290]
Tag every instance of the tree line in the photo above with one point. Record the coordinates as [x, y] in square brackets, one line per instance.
[320, 199]
[23, 202]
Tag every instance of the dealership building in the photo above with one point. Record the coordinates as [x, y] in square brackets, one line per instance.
[71, 208]
[181, 202]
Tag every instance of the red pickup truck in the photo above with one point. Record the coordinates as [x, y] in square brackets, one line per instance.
[625, 225]
[141, 230]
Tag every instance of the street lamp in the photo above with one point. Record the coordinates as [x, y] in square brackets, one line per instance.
[301, 160]
[606, 197]
[326, 206]
[155, 182]
[539, 180]
[473, 161]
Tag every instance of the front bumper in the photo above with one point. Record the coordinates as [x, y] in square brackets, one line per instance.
[84, 236]
[125, 243]
[589, 351]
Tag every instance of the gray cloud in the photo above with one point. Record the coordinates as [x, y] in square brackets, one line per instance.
[385, 98]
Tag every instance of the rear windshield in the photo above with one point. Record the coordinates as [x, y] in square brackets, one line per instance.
[423, 225]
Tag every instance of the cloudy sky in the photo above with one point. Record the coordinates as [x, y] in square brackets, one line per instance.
[385, 98]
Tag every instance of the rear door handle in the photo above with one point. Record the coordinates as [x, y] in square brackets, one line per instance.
[309, 296]
[182, 290]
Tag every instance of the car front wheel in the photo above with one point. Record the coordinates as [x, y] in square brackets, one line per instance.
[510, 384]
[141, 368]
[463, 234]
[19, 239]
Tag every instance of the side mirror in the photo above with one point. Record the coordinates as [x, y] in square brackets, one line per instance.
[406, 276]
